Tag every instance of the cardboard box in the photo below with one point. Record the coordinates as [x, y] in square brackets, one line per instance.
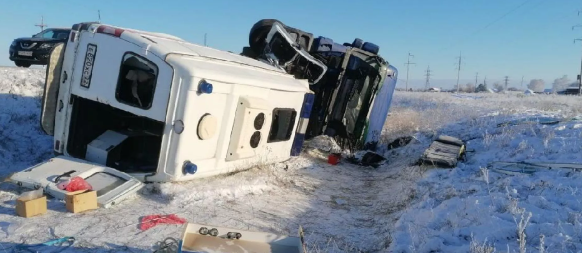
[193, 241]
[80, 201]
[30, 207]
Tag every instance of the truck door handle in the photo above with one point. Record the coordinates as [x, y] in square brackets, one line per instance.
[60, 105]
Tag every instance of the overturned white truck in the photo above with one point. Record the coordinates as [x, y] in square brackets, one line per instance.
[127, 106]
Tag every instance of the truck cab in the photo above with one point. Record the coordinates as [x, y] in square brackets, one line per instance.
[128, 106]
[348, 80]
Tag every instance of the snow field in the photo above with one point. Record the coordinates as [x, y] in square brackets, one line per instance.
[397, 207]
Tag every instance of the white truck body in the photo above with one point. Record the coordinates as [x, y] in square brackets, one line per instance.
[113, 92]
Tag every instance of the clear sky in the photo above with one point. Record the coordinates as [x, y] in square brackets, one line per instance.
[531, 38]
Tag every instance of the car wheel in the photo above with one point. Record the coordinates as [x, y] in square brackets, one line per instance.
[18, 64]
[25, 64]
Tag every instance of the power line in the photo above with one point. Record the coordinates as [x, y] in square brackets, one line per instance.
[407, 68]
[487, 26]
[427, 84]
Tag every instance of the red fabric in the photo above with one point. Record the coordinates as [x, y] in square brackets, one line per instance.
[78, 184]
[150, 221]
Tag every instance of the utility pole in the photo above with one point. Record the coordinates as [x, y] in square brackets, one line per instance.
[506, 81]
[459, 70]
[427, 84]
[407, 68]
[476, 78]
[204, 39]
[42, 25]
[99, 15]
[522, 82]
[580, 75]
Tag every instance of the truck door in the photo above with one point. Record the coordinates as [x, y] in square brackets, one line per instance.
[110, 184]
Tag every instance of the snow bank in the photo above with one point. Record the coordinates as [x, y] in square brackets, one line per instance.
[470, 204]
[22, 142]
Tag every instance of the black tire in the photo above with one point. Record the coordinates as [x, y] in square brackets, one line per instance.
[371, 47]
[17, 63]
[259, 32]
[358, 43]
[25, 64]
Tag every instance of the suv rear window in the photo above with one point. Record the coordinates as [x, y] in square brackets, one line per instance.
[137, 81]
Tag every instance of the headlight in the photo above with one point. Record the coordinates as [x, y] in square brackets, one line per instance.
[45, 46]
[13, 43]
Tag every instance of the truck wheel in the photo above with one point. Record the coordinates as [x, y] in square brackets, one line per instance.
[371, 47]
[358, 43]
[258, 34]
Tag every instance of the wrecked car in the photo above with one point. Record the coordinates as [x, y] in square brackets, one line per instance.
[128, 106]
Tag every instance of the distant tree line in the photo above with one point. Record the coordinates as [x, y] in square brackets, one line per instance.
[536, 85]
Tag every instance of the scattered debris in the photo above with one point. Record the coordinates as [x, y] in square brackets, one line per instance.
[531, 120]
[204, 238]
[400, 142]
[60, 242]
[367, 158]
[445, 151]
[324, 143]
[514, 168]
[151, 221]
[80, 201]
[31, 203]
[73, 184]
[169, 245]
[334, 158]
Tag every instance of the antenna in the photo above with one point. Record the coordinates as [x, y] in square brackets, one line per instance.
[407, 68]
[42, 25]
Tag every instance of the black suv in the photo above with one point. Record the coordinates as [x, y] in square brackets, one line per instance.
[36, 50]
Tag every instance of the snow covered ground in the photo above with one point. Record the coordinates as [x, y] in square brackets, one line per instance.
[397, 207]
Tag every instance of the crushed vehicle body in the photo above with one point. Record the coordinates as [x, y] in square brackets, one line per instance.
[345, 93]
[156, 108]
